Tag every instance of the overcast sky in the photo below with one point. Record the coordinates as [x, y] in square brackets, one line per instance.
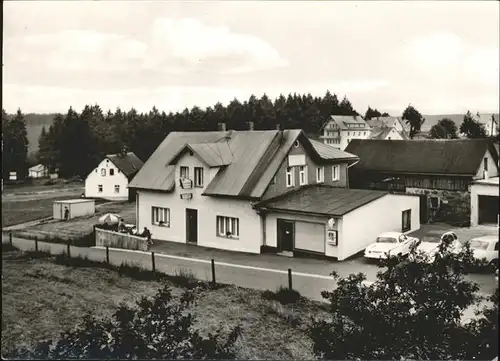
[441, 56]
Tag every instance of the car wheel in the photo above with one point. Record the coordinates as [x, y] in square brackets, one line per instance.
[494, 265]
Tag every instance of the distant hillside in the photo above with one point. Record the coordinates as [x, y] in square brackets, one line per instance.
[34, 125]
[431, 120]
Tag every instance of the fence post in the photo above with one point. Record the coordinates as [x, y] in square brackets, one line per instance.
[213, 272]
[69, 251]
[10, 238]
[36, 244]
[107, 254]
[153, 265]
[290, 279]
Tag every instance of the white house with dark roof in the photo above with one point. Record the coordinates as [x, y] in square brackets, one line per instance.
[110, 179]
[38, 171]
[339, 130]
[237, 190]
[388, 128]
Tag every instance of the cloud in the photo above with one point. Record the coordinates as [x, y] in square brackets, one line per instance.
[192, 45]
[445, 58]
[172, 46]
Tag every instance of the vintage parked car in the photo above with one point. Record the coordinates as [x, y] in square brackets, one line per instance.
[485, 250]
[429, 245]
[390, 244]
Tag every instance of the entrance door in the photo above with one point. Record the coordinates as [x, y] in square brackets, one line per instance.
[488, 209]
[192, 225]
[423, 209]
[286, 235]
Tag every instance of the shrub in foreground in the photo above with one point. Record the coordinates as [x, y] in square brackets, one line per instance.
[413, 311]
[283, 295]
[157, 328]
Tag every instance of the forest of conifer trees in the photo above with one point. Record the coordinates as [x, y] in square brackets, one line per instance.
[76, 142]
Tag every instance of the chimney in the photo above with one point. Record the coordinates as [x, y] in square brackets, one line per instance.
[222, 127]
[250, 125]
[278, 126]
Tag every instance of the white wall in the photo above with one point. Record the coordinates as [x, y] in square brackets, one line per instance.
[108, 182]
[477, 190]
[209, 208]
[393, 135]
[492, 167]
[363, 225]
[347, 135]
[272, 231]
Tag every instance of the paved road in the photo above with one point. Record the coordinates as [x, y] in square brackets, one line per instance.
[245, 275]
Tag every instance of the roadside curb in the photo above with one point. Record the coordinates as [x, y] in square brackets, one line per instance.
[199, 260]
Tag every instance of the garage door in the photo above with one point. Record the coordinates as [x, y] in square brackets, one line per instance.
[488, 209]
[310, 237]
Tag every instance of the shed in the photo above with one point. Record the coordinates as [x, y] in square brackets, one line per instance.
[76, 208]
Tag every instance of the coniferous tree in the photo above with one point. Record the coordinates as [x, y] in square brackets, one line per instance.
[14, 145]
[471, 128]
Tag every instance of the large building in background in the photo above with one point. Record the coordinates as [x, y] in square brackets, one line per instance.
[339, 130]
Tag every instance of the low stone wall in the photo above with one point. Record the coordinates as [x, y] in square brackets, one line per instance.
[454, 206]
[112, 239]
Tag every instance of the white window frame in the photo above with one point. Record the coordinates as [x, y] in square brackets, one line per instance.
[103, 172]
[335, 173]
[184, 172]
[100, 188]
[227, 224]
[160, 216]
[290, 177]
[302, 175]
[117, 188]
[198, 176]
[320, 174]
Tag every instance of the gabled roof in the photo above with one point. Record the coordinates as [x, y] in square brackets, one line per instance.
[381, 122]
[380, 132]
[342, 120]
[444, 157]
[38, 168]
[128, 163]
[321, 199]
[328, 152]
[212, 154]
[255, 158]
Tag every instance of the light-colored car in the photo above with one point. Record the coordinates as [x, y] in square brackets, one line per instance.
[429, 245]
[390, 244]
[485, 249]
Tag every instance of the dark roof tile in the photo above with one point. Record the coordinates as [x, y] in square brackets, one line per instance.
[454, 157]
[322, 200]
[128, 163]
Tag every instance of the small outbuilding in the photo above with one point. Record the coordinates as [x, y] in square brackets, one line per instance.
[38, 171]
[73, 208]
[335, 222]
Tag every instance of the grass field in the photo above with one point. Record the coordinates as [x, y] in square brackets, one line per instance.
[77, 227]
[15, 212]
[41, 299]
